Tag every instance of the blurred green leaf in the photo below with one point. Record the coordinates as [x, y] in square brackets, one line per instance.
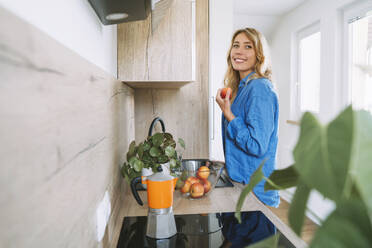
[162, 159]
[340, 141]
[256, 177]
[138, 165]
[131, 161]
[297, 209]
[336, 161]
[157, 139]
[132, 147]
[169, 151]
[182, 143]
[140, 151]
[154, 152]
[361, 162]
[133, 174]
[282, 179]
[348, 226]
[146, 146]
[179, 184]
[124, 172]
[184, 175]
[131, 150]
[154, 160]
[311, 158]
[172, 163]
[146, 157]
[355, 193]
[154, 167]
[270, 242]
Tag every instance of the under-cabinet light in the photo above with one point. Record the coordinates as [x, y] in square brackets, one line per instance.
[116, 16]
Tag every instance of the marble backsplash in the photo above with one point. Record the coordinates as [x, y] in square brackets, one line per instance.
[65, 127]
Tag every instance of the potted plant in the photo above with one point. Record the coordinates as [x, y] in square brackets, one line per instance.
[156, 150]
[335, 160]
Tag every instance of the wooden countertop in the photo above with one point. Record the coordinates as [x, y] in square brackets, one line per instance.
[219, 200]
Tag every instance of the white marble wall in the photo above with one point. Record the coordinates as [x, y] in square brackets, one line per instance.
[65, 126]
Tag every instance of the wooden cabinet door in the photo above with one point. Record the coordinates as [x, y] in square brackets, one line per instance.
[166, 54]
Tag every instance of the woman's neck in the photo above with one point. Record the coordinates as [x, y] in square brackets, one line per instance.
[243, 74]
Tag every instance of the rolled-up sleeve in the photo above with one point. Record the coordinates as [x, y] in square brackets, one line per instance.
[252, 134]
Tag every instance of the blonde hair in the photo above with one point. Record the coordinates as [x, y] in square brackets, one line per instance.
[262, 68]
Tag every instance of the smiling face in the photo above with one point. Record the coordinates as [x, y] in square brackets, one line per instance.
[243, 55]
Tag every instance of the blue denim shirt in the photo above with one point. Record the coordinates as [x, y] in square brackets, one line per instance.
[252, 135]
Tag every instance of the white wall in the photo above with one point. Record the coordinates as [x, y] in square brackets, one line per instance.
[329, 13]
[263, 23]
[220, 33]
[74, 24]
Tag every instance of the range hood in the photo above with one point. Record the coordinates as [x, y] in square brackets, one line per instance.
[118, 11]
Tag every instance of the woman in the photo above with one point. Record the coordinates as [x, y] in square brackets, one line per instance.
[249, 130]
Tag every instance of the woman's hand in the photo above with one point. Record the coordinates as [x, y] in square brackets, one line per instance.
[225, 104]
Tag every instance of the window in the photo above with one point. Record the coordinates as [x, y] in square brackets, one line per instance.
[360, 66]
[308, 70]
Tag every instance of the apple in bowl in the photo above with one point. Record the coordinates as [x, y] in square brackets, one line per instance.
[198, 185]
[197, 190]
[207, 185]
[203, 172]
[186, 187]
[193, 180]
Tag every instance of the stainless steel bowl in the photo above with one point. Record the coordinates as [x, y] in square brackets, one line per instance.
[194, 164]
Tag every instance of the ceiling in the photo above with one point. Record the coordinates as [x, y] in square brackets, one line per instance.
[265, 7]
[264, 15]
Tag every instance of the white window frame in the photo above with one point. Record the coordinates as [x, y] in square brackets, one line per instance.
[296, 86]
[351, 13]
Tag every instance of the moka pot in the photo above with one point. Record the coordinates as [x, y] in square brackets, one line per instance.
[160, 218]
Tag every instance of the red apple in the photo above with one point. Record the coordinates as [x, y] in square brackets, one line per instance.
[193, 180]
[224, 92]
[186, 187]
[207, 185]
[197, 190]
[203, 172]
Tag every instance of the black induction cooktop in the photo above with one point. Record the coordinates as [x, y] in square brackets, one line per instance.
[193, 231]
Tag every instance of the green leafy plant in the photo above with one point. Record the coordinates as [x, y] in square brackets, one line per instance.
[335, 160]
[157, 149]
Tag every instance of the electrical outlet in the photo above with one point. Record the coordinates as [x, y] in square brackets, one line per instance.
[102, 216]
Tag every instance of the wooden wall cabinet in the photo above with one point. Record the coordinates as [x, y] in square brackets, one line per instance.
[165, 55]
